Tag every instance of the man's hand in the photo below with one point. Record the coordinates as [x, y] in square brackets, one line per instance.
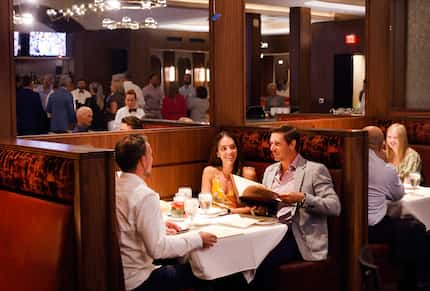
[172, 228]
[208, 239]
[292, 197]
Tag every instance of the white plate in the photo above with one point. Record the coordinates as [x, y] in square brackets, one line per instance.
[212, 211]
[267, 222]
[172, 218]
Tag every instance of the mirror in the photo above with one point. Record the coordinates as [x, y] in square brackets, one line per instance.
[320, 71]
[113, 51]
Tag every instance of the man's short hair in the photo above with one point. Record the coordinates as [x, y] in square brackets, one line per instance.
[131, 92]
[129, 150]
[289, 133]
[133, 122]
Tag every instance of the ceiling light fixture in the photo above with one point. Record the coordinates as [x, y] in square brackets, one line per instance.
[24, 18]
[337, 7]
[102, 5]
[125, 23]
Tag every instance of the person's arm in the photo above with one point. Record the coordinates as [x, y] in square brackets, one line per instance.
[324, 199]
[150, 226]
[207, 176]
[397, 191]
[410, 164]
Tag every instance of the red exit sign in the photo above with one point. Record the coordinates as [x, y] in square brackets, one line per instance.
[351, 39]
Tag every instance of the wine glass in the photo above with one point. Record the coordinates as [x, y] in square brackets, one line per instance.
[191, 207]
[414, 180]
[205, 200]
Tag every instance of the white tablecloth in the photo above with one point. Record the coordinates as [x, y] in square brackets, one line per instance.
[415, 203]
[239, 253]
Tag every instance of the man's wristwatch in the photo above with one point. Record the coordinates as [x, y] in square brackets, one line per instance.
[300, 204]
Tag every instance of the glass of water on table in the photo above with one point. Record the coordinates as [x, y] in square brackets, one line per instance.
[205, 200]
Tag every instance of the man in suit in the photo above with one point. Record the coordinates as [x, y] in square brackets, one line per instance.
[60, 106]
[308, 197]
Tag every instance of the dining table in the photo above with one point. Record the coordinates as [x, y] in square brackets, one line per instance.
[415, 202]
[241, 247]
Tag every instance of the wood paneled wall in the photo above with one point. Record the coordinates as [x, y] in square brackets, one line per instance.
[7, 72]
[180, 154]
[378, 99]
[228, 62]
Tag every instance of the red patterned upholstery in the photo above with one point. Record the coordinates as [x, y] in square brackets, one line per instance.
[35, 244]
[37, 174]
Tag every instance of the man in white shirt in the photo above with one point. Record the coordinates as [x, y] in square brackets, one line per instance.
[187, 90]
[142, 231]
[129, 85]
[130, 109]
[406, 235]
[80, 94]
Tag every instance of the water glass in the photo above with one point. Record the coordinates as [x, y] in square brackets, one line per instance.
[414, 180]
[191, 207]
[186, 191]
[205, 200]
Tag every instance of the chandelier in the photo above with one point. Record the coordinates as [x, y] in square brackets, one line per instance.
[103, 5]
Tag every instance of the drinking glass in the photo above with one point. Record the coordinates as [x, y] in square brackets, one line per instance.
[187, 191]
[191, 207]
[205, 200]
[414, 180]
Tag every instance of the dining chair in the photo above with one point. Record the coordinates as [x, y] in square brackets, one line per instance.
[371, 278]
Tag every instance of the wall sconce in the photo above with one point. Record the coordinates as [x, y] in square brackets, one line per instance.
[208, 75]
[170, 74]
[200, 74]
[187, 71]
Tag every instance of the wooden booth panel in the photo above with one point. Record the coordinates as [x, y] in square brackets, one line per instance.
[166, 179]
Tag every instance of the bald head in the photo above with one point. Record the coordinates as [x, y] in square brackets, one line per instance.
[376, 137]
[84, 116]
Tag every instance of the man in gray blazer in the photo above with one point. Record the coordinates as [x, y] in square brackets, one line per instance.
[307, 186]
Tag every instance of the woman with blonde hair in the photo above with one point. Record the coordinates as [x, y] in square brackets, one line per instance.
[404, 158]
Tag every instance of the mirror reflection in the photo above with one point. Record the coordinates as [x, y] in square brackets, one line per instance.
[113, 61]
[305, 57]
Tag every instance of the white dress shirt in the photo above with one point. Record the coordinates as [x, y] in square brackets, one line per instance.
[129, 85]
[142, 233]
[124, 112]
[384, 184]
[80, 96]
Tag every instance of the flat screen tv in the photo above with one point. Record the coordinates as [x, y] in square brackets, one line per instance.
[16, 45]
[47, 44]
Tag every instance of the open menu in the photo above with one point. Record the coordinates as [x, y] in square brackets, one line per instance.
[250, 191]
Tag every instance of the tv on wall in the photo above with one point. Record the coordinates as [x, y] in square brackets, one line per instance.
[47, 44]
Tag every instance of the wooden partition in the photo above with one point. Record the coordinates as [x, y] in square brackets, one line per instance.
[315, 121]
[91, 192]
[180, 154]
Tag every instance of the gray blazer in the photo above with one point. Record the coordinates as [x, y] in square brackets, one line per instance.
[310, 221]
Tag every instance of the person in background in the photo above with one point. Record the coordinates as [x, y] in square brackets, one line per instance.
[405, 159]
[96, 103]
[30, 115]
[142, 231]
[406, 235]
[217, 178]
[129, 85]
[84, 118]
[308, 197]
[60, 106]
[272, 99]
[362, 98]
[131, 122]
[187, 90]
[130, 109]
[80, 94]
[174, 104]
[116, 94]
[45, 89]
[199, 106]
[153, 95]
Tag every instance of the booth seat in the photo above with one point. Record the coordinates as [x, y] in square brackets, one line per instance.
[36, 248]
[303, 275]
